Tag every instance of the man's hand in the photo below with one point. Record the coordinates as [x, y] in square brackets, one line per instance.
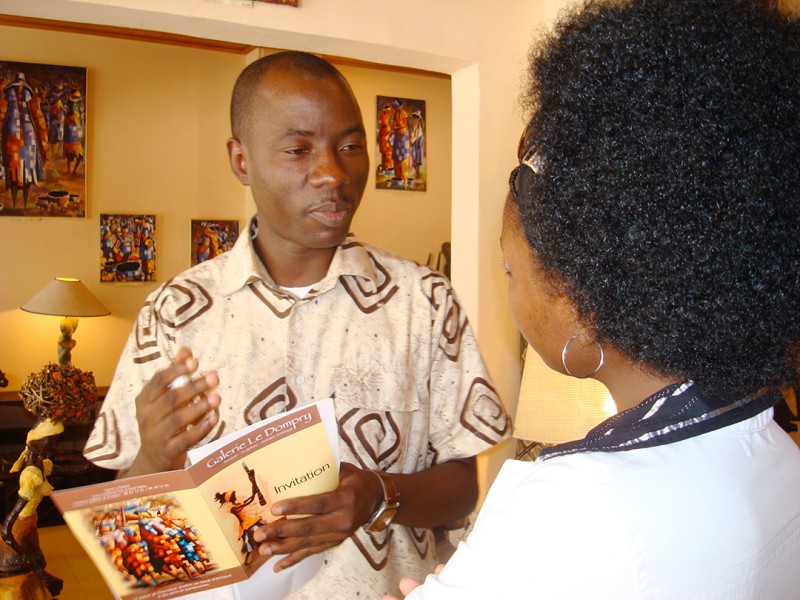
[428, 498]
[173, 419]
[328, 519]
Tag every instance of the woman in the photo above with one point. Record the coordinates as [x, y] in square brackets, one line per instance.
[651, 242]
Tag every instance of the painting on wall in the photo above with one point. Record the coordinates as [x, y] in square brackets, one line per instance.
[128, 247]
[43, 143]
[400, 148]
[212, 237]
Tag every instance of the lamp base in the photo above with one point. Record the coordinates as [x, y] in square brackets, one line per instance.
[65, 342]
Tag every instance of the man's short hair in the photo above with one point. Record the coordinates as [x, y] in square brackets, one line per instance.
[247, 83]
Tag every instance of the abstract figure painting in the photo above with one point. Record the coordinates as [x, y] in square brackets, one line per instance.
[400, 149]
[43, 140]
[212, 237]
[128, 247]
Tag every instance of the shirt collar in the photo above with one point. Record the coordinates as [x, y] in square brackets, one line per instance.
[244, 267]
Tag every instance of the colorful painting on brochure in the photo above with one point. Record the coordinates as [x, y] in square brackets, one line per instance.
[43, 140]
[150, 541]
[401, 160]
[128, 248]
[212, 237]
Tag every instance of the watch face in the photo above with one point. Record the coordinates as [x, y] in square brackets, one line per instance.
[383, 519]
[387, 517]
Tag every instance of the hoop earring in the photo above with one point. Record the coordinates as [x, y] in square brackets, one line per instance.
[564, 358]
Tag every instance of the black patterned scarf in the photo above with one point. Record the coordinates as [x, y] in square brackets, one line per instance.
[675, 413]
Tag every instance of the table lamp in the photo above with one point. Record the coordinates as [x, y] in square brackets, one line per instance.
[555, 408]
[69, 298]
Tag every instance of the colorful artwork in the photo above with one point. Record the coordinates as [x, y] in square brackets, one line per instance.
[149, 541]
[212, 237]
[43, 140]
[249, 514]
[128, 248]
[400, 159]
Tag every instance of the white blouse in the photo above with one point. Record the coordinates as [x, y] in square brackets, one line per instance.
[714, 516]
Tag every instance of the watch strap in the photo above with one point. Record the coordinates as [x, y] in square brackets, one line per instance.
[389, 504]
[390, 495]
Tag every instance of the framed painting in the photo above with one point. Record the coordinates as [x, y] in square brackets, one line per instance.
[212, 237]
[43, 140]
[128, 248]
[400, 148]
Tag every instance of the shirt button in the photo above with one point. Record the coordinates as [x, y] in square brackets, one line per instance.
[300, 379]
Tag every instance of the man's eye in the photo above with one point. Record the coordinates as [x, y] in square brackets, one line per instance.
[296, 151]
[352, 147]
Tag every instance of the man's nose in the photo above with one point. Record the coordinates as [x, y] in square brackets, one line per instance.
[327, 170]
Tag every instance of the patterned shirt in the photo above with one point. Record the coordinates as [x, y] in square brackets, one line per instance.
[384, 336]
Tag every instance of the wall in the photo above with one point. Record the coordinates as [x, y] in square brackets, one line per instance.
[158, 121]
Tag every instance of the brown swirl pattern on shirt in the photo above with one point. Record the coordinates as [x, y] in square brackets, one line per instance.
[374, 546]
[455, 322]
[276, 398]
[146, 335]
[367, 300]
[112, 444]
[422, 539]
[483, 414]
[280, 305]
[192, 300]
[372, 437]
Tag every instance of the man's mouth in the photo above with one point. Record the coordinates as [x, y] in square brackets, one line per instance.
[332, 214]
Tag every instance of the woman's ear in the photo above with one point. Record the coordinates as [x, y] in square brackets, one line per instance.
[238, 160]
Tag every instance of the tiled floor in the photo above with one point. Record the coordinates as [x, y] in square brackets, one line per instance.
[67, 560]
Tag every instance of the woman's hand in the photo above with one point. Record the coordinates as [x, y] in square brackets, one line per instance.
[408, 585]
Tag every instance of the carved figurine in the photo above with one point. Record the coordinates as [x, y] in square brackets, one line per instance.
[20, 535]
[57, 395]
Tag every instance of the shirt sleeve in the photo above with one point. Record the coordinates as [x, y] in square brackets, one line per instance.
[114, 441]
[467, 415]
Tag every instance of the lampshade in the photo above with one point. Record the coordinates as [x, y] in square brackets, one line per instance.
[554, 408]
[66, 297]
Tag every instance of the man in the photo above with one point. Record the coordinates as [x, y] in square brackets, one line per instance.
[298, 311]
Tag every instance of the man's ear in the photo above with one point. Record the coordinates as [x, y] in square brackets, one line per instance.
[238, 160]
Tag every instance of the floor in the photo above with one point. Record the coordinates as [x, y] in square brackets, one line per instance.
[67, 560]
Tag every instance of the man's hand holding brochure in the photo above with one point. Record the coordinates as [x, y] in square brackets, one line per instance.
[169, 534]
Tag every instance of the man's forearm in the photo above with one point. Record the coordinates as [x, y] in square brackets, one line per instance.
[438, 495]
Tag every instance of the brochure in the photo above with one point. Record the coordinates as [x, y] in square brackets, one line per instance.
[168, 534]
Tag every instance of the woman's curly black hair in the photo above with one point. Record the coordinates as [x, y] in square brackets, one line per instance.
[667, 202]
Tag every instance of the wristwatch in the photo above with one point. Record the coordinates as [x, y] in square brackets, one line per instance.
[387, 510]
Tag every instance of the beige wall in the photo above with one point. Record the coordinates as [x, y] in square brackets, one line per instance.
[158, 122]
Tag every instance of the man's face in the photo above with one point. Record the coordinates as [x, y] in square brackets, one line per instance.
[304, 156]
